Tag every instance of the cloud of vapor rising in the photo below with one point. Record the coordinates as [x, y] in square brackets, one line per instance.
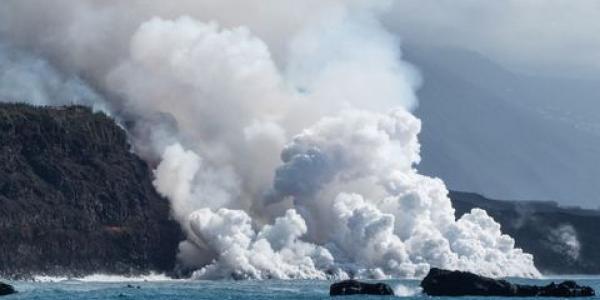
[286, 144]
[27, 78]
[564, 240]
[373, 209]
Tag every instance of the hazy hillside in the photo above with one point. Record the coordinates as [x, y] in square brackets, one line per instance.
[507, 135]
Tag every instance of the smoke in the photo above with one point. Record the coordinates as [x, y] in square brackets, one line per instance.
[372, 208]
[284, 134]
[563, 239]
[27, 78]
[274, 252]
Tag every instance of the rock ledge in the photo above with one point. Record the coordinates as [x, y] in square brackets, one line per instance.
[6, 289]
[455, 283]
[353, 287]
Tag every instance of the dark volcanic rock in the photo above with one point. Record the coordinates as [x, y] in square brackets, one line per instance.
[455, 283]
[537, 228]
[6, 289]
[353, 287]
[74, 199]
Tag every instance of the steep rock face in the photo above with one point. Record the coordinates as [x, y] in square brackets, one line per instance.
[562, 240]
[74, 199]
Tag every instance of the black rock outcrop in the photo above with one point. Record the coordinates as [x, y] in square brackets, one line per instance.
[6, 289]
[74, 199]
[455, 283]
[353, 287]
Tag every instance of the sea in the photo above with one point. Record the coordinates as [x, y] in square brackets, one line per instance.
[160, 287]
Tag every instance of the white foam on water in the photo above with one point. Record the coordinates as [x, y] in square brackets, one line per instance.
[401, 290]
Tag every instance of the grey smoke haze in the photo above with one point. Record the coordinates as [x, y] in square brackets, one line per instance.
[26, 77]
[555, 37]
[220, 88]
[563, 239]
[89, 38]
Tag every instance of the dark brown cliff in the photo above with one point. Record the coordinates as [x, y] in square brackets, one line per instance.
[74, 199]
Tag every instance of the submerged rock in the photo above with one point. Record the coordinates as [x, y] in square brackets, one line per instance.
[456, 283]
[353, 287]
[6, 289]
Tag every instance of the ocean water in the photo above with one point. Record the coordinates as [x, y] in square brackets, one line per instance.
[106, 287]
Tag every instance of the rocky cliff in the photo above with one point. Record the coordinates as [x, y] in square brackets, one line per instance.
[562, 240]
[74, 199]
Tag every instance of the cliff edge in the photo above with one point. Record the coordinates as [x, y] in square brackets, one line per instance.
[74, 199]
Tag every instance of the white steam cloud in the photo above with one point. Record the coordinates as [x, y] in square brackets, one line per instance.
[564, 240]
[286, 143]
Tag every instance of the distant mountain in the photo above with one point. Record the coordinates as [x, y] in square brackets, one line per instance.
[504, 134]
[75, 200]
[562, 240]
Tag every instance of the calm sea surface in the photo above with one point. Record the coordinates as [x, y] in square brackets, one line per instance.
[219, 290]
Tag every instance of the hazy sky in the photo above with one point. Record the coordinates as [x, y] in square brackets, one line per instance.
[549, 36]
[546, 36]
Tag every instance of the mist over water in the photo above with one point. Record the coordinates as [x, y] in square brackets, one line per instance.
[286, 151]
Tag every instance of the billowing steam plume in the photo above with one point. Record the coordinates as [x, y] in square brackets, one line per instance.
[286, 143]
[564, 240]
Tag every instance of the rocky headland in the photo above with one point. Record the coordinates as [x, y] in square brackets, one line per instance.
[74, 198]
